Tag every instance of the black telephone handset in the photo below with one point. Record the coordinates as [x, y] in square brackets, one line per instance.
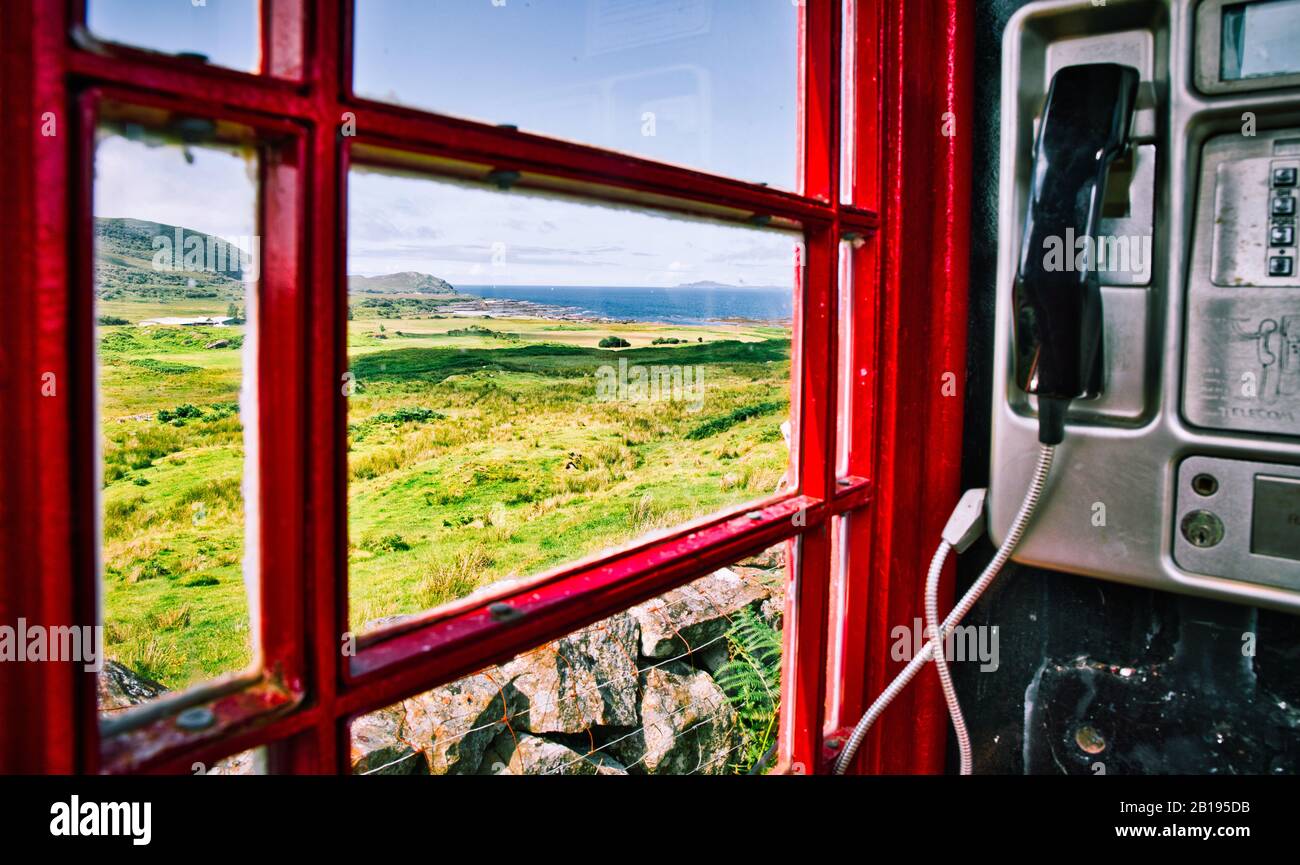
[1058, 313]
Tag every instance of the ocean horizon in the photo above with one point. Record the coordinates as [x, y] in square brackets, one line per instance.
[686, 305]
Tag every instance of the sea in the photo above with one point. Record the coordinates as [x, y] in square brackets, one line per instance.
[687, 305]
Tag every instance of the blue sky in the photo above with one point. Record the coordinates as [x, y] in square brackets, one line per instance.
[718, 75]
[711, 84]
[225, 31]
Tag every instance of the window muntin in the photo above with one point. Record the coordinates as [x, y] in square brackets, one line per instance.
[221, 32]
[685, 683]
[704, 84]
[175, 311]
[491, 435]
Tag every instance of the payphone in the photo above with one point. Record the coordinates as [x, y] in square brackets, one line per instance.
[1179, 468]
[1146, 405]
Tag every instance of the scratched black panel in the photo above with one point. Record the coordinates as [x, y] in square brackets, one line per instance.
[1092, 672]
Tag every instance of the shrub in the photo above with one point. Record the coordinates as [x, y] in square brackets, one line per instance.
[181, 413]
[614, 342]
[390, 543]
[716, 425]
[163, 367]
[408, 414]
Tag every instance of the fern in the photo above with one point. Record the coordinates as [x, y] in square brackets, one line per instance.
[751, 679]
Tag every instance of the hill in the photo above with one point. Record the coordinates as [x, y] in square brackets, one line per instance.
[406, 282]
[134, 257]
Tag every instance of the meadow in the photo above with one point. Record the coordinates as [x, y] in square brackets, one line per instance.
[479, 449]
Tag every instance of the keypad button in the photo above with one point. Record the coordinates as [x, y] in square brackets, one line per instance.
[1284, 177]
[1281, 235]
[1281, 265]
[1284, 205]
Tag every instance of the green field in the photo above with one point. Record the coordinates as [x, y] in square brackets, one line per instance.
[478, 450]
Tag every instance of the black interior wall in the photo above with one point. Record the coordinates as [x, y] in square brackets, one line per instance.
[1094, 676]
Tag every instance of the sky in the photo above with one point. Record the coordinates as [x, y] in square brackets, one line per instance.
[588, 70]
[478, 235]
[466, 234]
[216, 193]
[720, 77]
[710, 84]
[227, 32]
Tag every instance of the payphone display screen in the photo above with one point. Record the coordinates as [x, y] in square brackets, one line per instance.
[1261, 39]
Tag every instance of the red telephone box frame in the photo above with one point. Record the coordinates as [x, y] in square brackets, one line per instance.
[895, 418]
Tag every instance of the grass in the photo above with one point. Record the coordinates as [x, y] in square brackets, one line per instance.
[478, 450]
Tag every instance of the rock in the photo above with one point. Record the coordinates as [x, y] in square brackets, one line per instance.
[387, 621]
[772, 612]
[690, 618]
[219, 343]
[688, 727]
[244, 763]
[588, 678]
[378, 746]
[454, 724]
[525, 754]
[120, 687]
[711, 659]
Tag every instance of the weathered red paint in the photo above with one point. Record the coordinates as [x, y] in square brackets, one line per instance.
[908, 321]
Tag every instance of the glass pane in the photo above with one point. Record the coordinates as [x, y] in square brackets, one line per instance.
[709, 84]
[844, 365]
[848, 100]
[222, 32]
[175, 269]
[687, 683]
[536, 379]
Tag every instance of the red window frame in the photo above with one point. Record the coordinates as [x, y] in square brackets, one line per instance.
[900, 439]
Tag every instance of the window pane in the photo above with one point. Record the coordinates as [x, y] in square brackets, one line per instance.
[848, 100]
[222, 32]
[709, 84]
[687, 683]
[175, 264]
[536, 380]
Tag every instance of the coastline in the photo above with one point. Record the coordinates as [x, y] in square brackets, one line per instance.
[467, 305]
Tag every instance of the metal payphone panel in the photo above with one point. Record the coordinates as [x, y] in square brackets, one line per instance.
[1202, 341]
[1243, 322]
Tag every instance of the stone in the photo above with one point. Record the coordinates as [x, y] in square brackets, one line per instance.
[525, 754]
[387, 622]
[588, 678]
[119, 687]
[378, 746]
[696, 616]
[243, 763]
[688, 727]
[772, 612]
[453, 725]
